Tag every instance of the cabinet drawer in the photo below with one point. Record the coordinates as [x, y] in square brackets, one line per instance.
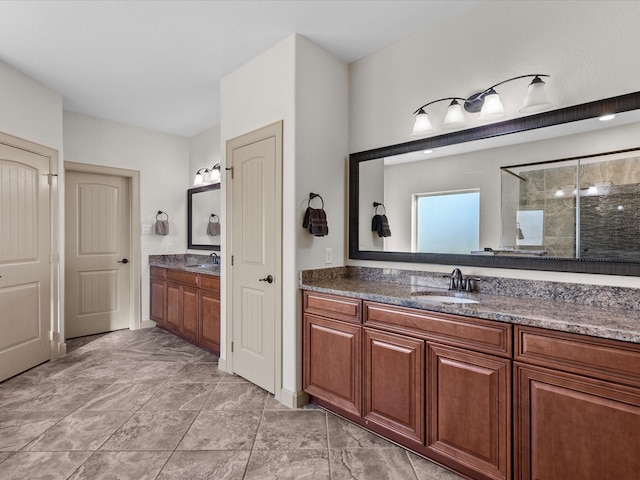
[158, 272]
[186, 278]
[473, 333]
[339, 308]
[596, 357]
[209, 282]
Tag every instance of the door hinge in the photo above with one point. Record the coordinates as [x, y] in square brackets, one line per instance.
[230, 169]
[231, 347]
[50, 177]
[232, 260]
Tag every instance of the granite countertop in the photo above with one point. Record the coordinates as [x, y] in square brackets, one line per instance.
[597, 321]
[186, 262]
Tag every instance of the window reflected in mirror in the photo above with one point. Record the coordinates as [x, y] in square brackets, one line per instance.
[447, 222]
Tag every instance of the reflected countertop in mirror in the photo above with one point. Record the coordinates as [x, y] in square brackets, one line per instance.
[463, 185]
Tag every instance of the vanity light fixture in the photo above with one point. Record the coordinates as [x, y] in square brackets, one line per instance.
[487, 102]
[205, 176]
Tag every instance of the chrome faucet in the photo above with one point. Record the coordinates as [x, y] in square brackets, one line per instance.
[215, 258]
[456, 282]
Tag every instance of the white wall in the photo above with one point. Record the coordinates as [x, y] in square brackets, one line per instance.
[306, 88]
[585, 46]
[163, 162]
[29, 109]
[204, 150]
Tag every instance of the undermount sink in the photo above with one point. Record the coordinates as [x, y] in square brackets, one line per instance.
[200, 265]
[437, 297]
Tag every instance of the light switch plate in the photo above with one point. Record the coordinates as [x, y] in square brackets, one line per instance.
[328, 255]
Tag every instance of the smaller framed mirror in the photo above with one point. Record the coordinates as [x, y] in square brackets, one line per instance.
[203, 217]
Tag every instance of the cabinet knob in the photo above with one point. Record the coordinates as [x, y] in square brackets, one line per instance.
[124, 260]
[268, 279]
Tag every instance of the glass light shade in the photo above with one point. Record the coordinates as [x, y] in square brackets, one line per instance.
[199, 179]
[536, 99]
[492, 108]
[454, 117]
[422, 125]
[214, 175]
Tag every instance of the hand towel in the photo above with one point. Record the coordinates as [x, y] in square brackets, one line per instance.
[380, 225]
[213, 228]
[315, 221]
[162, 227]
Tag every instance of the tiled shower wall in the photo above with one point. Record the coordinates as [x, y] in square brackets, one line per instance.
[609, 215]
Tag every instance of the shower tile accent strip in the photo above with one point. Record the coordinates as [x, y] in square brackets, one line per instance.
[599, 311]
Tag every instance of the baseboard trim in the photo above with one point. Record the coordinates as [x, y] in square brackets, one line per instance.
[147, 324]
[58, 349]
[222, 364]
[293, 399]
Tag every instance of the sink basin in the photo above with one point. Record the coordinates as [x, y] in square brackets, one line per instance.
[200, 265]
[440, 298]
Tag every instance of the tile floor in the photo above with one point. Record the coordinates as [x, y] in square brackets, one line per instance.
[146, 405]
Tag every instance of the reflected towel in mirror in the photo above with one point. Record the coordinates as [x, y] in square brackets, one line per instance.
[380, 224]
[213, 227]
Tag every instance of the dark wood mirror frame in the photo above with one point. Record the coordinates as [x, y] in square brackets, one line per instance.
[190, 193]
[560, 116]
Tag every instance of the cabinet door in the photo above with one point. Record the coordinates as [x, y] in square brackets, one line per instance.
[209, 334]
[569, 426]
[190, 313]
[332, 362]
[158, 300]
[468, 411]
[174, 307]
[394, 384]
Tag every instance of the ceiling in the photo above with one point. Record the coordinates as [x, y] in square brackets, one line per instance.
[158, 64]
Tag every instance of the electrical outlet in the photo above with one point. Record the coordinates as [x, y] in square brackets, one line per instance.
[146, 229]
[169, 247]
[328, 255]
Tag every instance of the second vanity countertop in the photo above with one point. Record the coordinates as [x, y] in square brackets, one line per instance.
[611, 322]
[187, 263]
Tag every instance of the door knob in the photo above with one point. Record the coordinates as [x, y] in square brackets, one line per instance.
[124, 260]
[268, 279]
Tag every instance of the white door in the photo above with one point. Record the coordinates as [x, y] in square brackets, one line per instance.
[97, 241]
[256, 250]
[25, 268]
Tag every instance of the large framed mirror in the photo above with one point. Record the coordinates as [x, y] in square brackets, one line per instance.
[203, 217]
[466, 197]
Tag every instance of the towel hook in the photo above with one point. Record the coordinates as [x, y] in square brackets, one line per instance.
[378, 204]
[214, 216]
[315, 195]
[160, 212]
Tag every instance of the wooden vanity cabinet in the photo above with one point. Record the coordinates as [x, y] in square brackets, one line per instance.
[158, 294]
[469, 411]
[209, 302]
[467, 377]
[437, 384]
[394, 376]
[188, 305]
[332, 352]
[576, 407]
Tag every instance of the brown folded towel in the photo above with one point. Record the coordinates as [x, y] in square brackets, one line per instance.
[380, 224]
[315, 221]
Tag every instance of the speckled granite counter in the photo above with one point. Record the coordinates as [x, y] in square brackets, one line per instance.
[187, 262]
[605, 312]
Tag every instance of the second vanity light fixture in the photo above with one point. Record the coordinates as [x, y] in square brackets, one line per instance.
[487, 102]
[205, 175]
